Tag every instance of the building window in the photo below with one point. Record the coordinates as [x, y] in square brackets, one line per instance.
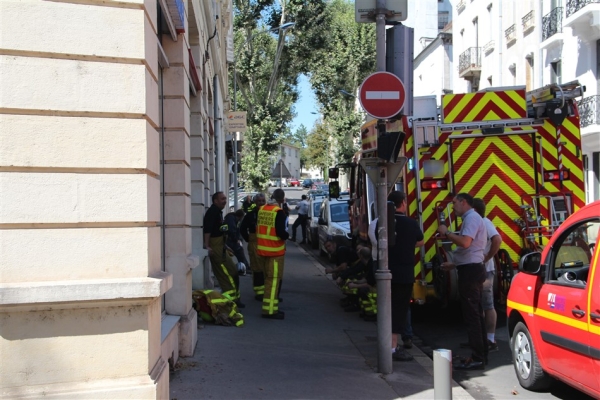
[556, 72]
[296, 153]
[443, 18]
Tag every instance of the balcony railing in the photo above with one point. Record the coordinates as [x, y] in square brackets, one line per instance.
[489, 47]
[511, 34]
[552, 23]
[528, 21]
[589, 111]
[461, 6]
[470, 59]
[575, 5]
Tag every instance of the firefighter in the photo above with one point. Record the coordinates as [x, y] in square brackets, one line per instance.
[468, 261]
[271, 234]
[248, 232]
[215, 231]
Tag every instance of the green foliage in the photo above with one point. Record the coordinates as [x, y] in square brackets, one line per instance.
[327, 45]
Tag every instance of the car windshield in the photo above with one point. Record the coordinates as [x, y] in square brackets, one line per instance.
[339, 212]
[316, 208]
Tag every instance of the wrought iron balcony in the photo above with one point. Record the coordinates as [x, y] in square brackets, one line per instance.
[511, 34]
[528, 21]
[461, 6]
[469, 62]
[575, 5]
[552, 23]
[489, 47]
[589, 111]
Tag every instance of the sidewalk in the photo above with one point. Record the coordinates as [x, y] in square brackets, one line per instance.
[318, 351]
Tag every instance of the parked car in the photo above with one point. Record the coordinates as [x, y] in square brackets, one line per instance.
[241, 197]
[312, 226]
[334, 221]
[553, 308]
[275, 182]
[293, 182]
[307, 183]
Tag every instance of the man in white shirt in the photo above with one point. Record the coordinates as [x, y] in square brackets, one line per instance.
[494, 240]
[302, 208]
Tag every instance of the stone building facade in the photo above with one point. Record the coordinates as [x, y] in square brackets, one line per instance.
[111, 145]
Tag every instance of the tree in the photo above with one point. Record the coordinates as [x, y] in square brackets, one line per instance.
[318, 147]
[266, 75]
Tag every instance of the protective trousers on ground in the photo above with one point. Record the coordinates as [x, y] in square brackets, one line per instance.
[258, 275]
[273, 275]
[224, 269]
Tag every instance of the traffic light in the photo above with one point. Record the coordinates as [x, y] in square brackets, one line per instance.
[334, 190]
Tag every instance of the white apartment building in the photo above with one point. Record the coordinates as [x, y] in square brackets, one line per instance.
[111, 147]
[289, 157]
[533, 43]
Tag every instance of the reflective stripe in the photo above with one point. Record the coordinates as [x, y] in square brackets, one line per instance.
[268, 243]
[581, 325]
[272, 300]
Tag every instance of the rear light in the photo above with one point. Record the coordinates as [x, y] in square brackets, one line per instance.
[434, 184]
[555, 175]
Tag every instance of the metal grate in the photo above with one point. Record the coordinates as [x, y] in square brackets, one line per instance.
[471, 58]
[575, 5]
[528, 21]
[589, 111]
[511, 33]
[552, 23]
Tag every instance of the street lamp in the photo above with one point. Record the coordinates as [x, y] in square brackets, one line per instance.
[282, 28]
[345, 93]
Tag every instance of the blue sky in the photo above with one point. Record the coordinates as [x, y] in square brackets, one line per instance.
[305, 105]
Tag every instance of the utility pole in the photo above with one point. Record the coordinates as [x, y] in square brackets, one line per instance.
[383, 275]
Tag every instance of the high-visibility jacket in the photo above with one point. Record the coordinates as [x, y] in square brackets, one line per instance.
[268, 243]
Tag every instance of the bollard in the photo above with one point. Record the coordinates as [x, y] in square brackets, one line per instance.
[442, 374]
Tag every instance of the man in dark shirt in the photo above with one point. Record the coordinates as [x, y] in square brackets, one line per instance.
[248, 232]
[214, 241]
[401, 261]
[347, 265]
[234, 239]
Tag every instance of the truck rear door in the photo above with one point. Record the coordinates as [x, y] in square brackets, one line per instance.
[499, 169]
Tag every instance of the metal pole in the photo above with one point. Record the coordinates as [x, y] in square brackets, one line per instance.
[442, 374]
[383, 276]
[235, 154]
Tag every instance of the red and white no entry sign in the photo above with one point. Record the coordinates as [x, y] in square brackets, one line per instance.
[382, 95]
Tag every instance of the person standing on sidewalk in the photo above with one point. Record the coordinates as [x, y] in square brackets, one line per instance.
[271, 234]
[494, 240]
[302, 208]
[234, 239]
[401, 260]
[248, 232]
[407, 331]
[223, 267]
[468, 261]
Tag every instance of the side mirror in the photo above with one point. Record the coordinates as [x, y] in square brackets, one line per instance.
[531, 263]
[322, 221]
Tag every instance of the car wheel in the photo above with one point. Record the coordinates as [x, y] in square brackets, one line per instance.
[525, 360]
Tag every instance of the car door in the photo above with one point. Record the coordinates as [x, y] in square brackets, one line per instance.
[562, 308]
[594, 314]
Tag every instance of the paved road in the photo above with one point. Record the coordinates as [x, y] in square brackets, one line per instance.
[436, 328]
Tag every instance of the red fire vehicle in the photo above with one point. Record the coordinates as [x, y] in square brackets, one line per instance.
[520, 152]
[553, 308]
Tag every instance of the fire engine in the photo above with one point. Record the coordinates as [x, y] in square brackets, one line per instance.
[519, 151]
